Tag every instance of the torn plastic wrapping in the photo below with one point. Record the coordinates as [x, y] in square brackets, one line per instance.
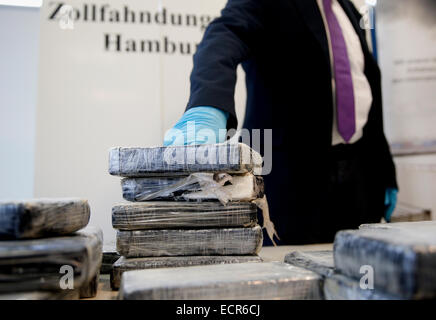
[320, 262]
[244, 281]
[335, 286]
[122, 265]
[170, 215]
[196, 186]
[32, 265]
[402, 255]
[203, 242]
[89, 290]
[268, 225]
[42, 217]
[183, 160]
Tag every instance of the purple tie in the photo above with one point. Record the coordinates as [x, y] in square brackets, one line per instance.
[344, 82]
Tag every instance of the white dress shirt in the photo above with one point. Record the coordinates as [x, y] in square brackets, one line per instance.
[362, 90]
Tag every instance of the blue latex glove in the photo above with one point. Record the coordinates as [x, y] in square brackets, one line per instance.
[199, 125]
[390, 202]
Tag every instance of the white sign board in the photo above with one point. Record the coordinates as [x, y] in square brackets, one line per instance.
[117, 74]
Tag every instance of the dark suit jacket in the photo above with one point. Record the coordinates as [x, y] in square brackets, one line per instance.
[283, 48]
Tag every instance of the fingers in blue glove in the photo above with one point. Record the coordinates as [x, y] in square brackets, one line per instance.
[391, 196]
[199, 125]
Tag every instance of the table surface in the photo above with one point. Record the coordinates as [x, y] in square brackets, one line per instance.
[267, 254]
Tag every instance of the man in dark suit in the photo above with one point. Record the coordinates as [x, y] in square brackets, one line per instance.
[310, 77]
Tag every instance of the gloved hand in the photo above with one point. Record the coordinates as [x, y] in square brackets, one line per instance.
[199, 125]
[390, 202]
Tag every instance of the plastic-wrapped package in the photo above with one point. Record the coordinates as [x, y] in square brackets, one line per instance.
[414, 228]
[196, 186]
[241, 281]
[183, 160]
[42, 295]
[122, 265]
[89, 289]
[339, 287]
[202, 242]
[320, 262]
[335, 286]
[402, 256]
[42, 217]
[34, 265]
[170, 215]
[109, 258]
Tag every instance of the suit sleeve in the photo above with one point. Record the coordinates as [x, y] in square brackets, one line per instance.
[382, 146]
[375, 127]
[226, 43]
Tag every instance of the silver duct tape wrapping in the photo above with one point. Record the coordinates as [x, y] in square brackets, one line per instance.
[402, 257]
[412, 228]
[320, 262]
[203, 242]
[122, 265]
[244, 281]
[182, 160]
[34, 265]
[339, 287]
[170, 215]
[42, 217]
[198, 186]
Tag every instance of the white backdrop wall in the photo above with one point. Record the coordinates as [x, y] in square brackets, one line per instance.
[19, 32]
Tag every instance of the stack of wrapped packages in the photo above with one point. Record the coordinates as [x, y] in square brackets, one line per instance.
[191, 232]
[46, 252]
[377, 262]
[188, 206]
